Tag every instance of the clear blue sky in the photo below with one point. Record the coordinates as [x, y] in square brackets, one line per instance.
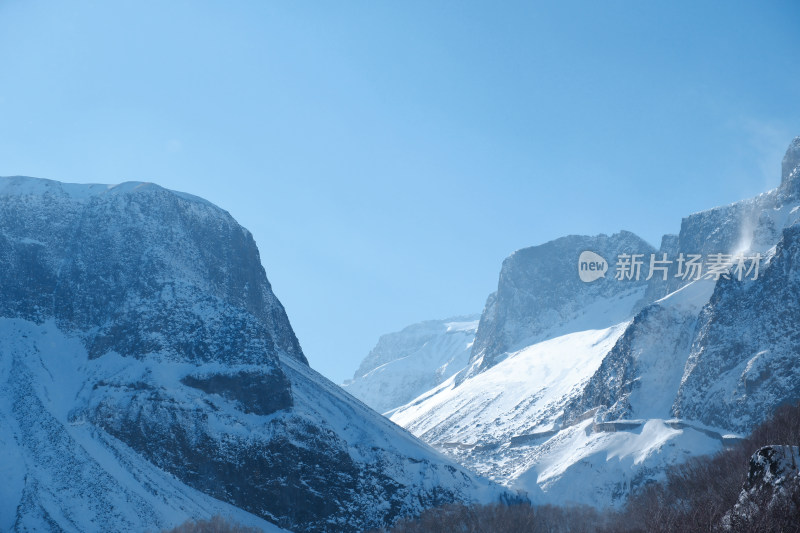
[388, 155]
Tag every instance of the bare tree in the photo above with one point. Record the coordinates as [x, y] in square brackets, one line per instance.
[216, 524]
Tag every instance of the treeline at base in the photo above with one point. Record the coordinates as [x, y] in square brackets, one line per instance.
[722, 492]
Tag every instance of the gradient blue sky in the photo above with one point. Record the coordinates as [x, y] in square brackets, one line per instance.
[388, 155]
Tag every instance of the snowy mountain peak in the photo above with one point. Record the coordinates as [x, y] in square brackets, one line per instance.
[540, 295]
[28, 186]
[791, 161]
[406, 363]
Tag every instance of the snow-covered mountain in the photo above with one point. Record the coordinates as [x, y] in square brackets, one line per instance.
[733, 348]
[406, 363]
[508, 423]
[590, 405]
[149, 374]
[539, 295]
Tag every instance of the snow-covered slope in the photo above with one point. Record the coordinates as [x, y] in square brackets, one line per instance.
[586, 412]
[508, 423]
[520, 394]
[523, 421]
[409, 362]
[150, 374]
[60, 472]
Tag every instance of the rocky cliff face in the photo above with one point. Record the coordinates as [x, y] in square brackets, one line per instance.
[770, 498]
[140, 340]
[640, 375]
[409, 362]
[743, 361]
[539, 294]
[138, 269]
[790, 169]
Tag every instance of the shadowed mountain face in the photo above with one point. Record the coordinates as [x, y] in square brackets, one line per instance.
[141, 340]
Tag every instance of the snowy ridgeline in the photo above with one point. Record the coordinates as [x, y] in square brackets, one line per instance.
[148, 374]
[580, 392]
